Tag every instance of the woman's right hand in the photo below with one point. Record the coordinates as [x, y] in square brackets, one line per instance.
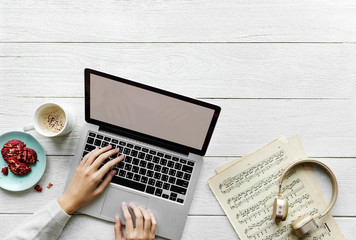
[145, 224]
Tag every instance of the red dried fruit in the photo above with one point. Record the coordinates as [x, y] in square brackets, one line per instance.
[18, 167]
[5, 171]
[29, 155]
[38, 188]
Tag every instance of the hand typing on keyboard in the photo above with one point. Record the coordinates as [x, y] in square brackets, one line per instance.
[85, 185]
[145, 224]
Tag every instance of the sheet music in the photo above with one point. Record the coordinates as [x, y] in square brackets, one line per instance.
[246, 190]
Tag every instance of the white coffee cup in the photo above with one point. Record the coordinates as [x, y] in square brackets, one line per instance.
[56, 124]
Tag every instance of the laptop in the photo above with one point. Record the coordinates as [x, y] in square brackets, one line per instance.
[163, 136]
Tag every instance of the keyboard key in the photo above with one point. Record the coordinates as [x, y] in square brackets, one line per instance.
[128, 167]
[150, 189]
[175, 159]
[128, 183]
[170, 164]
[89, 148]
[99, 136]
[137, 177]
[180, 174]
[164, 170]
[144, 179]
[156, 159]
[187, 176]
[174, 194]
[172, 198]
[90, 140]
[158, 168]
[165, 196]
[91, 134]
[107, 139]
[137, 147]
[166, 186]
[167, 156]
[158, 192]
[151, 182]
[157, 175]
[143, 163]
[148, 157]
[114, 141]
[134, 153]
[178, 166]
[127, 151]
[135, 161]
[172, 172]
[190, 163]
[145, 150]
[159, 154]
[122, 173]
[104, 144]
[180, 200]
[129, 145]
[97, 142]
[135, 169]
[150, 166]
[159, 184]
[163, 162]
[113, 146]
[141, 155]
[187, 169]
[183, 161]
[149, 173]
[143, 171]
[128, 159]
[172, 180]
[121, 143]
[152, 152]
[129, 175]
[164, 177]
[179, 190]
[182, 183]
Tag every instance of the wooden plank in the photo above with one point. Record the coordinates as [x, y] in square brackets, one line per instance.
[177, 21]
[197, 227]
[326, 127]
[198, 70]
[204, 202]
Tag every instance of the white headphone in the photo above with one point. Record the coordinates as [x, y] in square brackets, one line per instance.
[305, 223]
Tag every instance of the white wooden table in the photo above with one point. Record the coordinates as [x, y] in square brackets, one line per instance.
[275, 67]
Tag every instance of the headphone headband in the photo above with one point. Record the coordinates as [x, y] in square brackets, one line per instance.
[329, 172]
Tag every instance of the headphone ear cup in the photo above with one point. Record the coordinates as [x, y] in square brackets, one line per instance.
[280, 209]
[303, 225]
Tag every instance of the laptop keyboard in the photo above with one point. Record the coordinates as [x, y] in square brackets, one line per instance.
[146, 170]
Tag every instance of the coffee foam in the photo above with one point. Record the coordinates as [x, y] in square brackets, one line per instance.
[51, 119]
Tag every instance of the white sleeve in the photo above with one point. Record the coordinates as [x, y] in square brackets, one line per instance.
[45, 223]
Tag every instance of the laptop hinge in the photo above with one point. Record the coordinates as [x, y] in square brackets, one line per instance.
[145, 139]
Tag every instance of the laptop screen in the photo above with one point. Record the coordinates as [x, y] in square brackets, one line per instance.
[150, 111]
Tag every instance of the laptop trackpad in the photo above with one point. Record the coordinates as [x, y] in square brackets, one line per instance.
[115, 197]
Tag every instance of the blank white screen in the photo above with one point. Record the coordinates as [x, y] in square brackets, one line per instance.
[148, 112]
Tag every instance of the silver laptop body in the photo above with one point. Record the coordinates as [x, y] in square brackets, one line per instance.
[177, 143]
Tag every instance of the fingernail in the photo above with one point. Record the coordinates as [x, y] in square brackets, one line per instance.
[112, 173]
[148, 210]
[123, 204]
[116, 218]
[117, 150]
[131, 204]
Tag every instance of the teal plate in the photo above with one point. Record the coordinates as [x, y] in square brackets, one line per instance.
[14, 182]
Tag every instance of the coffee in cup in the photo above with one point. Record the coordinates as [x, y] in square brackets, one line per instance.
[51, 119]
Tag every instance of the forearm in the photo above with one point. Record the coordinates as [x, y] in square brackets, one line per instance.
[45, 223]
